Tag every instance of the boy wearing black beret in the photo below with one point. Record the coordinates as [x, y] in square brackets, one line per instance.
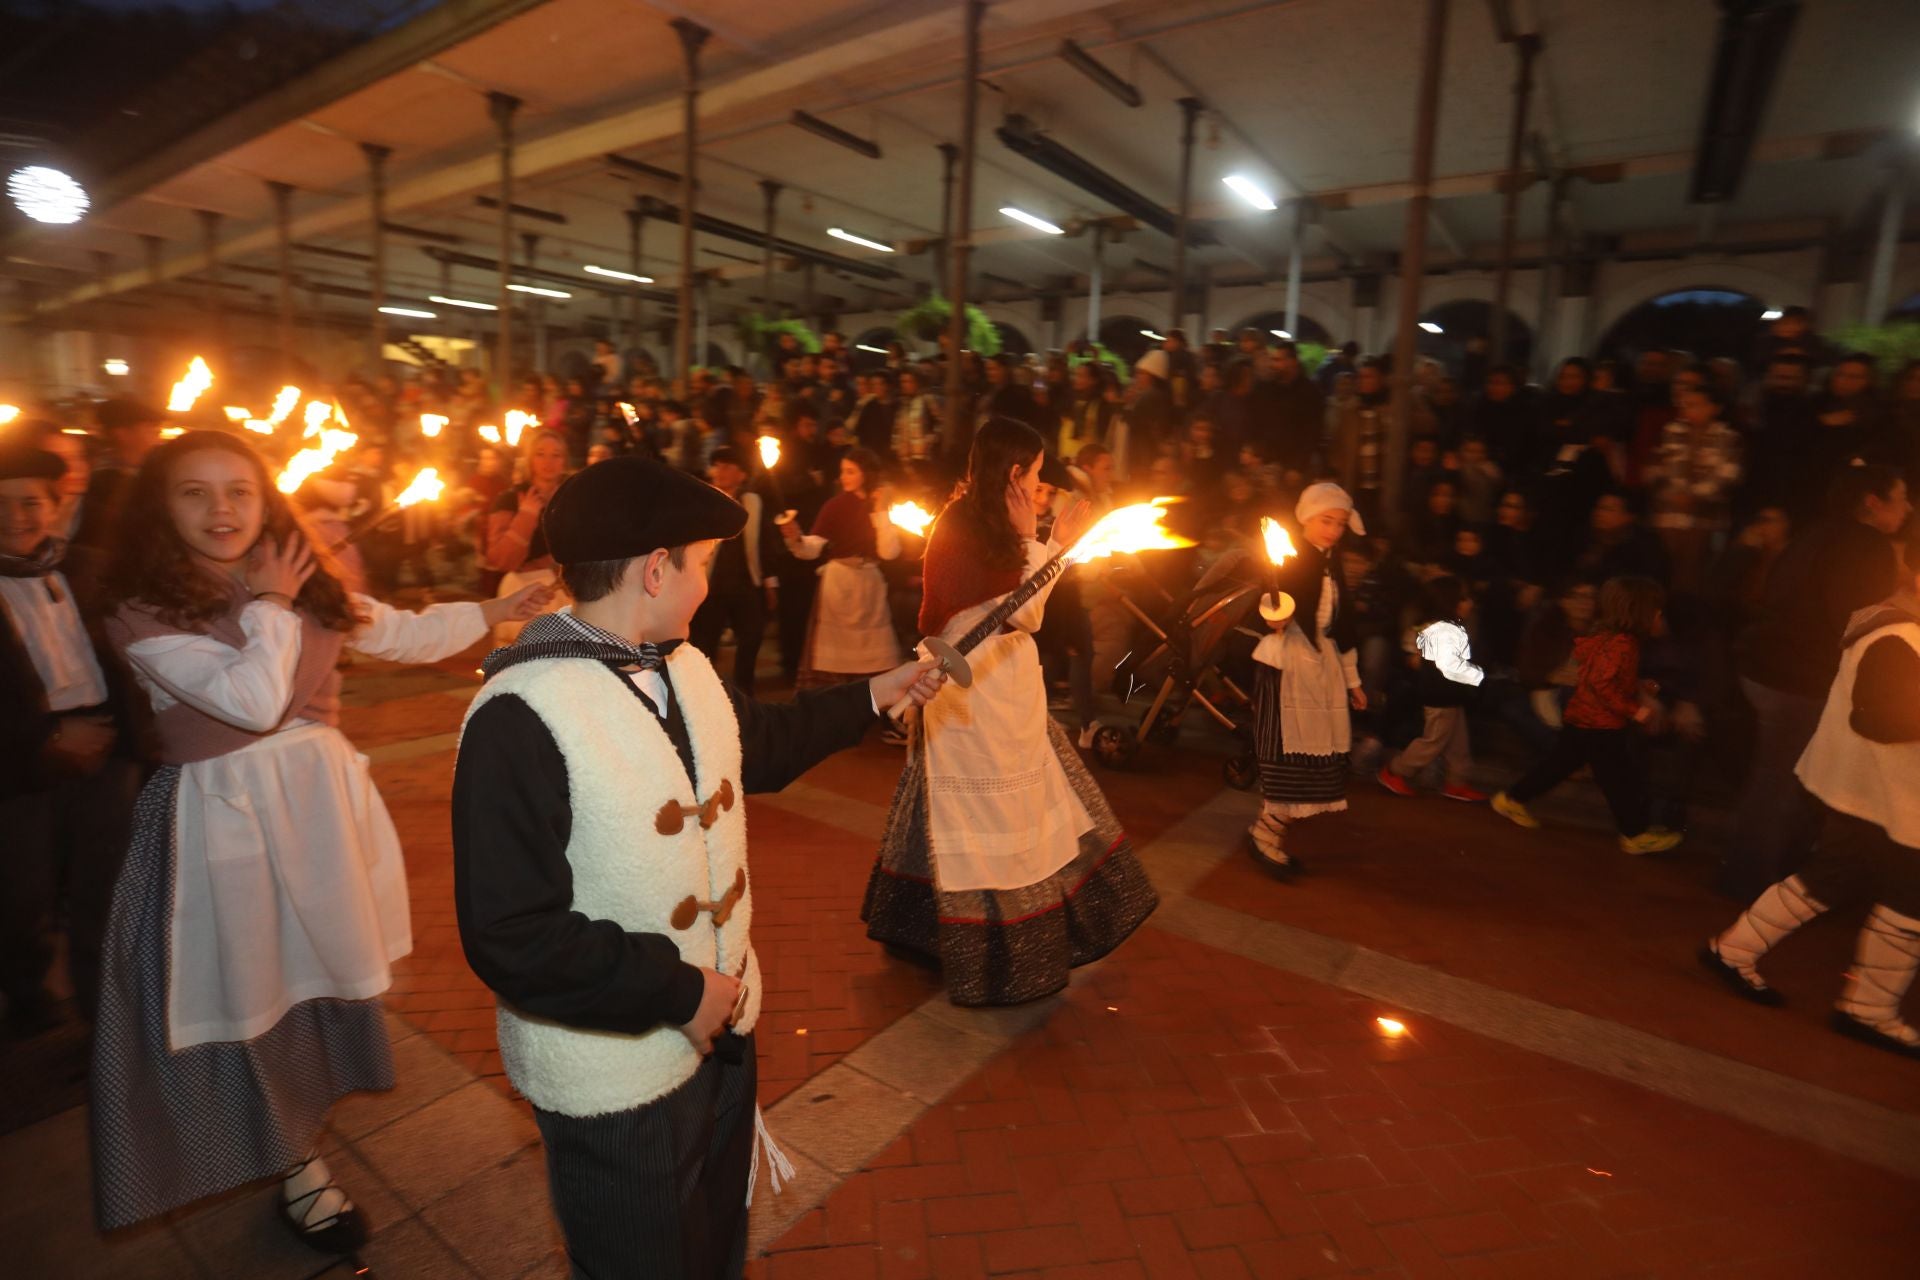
[600, 872]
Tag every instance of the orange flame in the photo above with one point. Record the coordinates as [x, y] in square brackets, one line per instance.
[432, 424]
[315, 458]
[1124, 530]
[769, 452]
[1279, 545]
[192, 383]
[519, 422]
[425, 487]
[490, 433]
[910, 516]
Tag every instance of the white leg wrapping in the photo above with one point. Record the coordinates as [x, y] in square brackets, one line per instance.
[1776, 913]
[1269, 832]
[1884, 961]
[779, 1168]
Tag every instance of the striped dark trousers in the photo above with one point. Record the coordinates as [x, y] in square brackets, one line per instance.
[659, 1192]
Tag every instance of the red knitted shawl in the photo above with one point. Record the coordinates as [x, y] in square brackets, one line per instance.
[846, 522]
[956, 576]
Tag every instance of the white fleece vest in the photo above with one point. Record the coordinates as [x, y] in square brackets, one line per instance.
[621, 768]
[1878, 782]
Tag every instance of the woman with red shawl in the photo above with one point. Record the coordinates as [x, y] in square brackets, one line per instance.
[851, 635]
[1001, 861]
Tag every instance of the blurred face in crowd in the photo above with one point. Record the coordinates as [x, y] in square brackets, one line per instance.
[1085, 379]
[1250, 342]
[1367, 380]
[1889, 514]
[1499, 387]
[73, 451]
[1790, 325]
[1653, 368]
[1850, 378]
[852, 478]
[1684, 382]
[547, 463]
[27, 509]
[1603, 377]
[996, 374]
[1446, 392]
[1770, 528]
[1354, 567]
[1610, 514]
[1284, 363]
[1697, 408]
[909, 384]
[1512, 512]
[1424, 452]
[1571, 380]
[1473, 452]
[728, 477]
[1440, 499]
[131, 445]
[599, 453]
[217, 504]
[1786, 378]
[1908, 388]
[1043, 495]
[1577, 605]
[1100, 473]
[1239, 488]
[1467, 543]
[1210, 377]
[1326, 528]
[489, 463]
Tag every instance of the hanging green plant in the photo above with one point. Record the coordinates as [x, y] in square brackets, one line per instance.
[759, 334]
[1891, 345]
[928, 319]
[1104, 356]
[1312, 356]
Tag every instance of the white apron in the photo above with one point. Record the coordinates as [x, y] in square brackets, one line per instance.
[1002, 813]
[852, 626]
[288, 886]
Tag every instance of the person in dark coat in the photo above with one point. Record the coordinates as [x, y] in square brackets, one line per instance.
[131, 430]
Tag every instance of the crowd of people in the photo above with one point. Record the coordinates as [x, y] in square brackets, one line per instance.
[1669, 562]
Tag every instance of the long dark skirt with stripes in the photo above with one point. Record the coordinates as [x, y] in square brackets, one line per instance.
[659, 1192]
[1299, 786]
[1005, 946]
[172, 1127]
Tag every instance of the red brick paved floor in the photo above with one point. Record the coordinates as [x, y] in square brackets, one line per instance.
[1561, 915]
[1188, 1113]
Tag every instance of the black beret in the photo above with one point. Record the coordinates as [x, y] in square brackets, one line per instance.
[21, 461]
[626, 507]
[1055, 473]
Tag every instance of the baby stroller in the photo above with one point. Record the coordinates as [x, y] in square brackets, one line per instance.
[1201, 654]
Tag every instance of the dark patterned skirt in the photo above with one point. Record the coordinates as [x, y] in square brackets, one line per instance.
[1299, 785]
[1006, 946]
[172, 1127]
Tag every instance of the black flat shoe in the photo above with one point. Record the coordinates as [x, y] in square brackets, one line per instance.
[1279, 870]
[340, 1234]
[1854, 1029]
[1737, 982]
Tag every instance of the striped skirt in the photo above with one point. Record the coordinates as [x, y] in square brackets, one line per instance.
[1297, 786]
[1005, 946]
[172, 1127]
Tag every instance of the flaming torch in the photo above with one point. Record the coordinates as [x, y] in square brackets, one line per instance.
[425, 487]
[910, 516]
[432, 424]
[769, 447]
[1124, 530]
[518, 423]
[316, 457]
[1279, 551]
[490, 433]
[197, 379]
[8, 412]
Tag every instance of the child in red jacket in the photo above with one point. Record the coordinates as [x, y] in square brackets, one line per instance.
[1598, 723]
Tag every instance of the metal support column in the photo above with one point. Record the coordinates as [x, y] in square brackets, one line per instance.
[949, 156]
[216, 305]
[150, 250]
[503, 106]
[958, 429]
[807, 304]
[283, 268]
[1413, 250]
[1093, 283]
[1189, 112]
[636, 221]
[377, 199]
[692, 37]
[1293, 270]
[1527, 47]
[1880, 275]
[771, 191]
[536, 305]
[700, 302]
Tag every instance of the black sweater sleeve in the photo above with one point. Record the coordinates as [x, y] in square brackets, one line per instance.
[779, 741]
[513, 891]
[1886, 692]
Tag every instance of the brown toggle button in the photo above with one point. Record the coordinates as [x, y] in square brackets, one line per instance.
[690, 907]
[672, 818]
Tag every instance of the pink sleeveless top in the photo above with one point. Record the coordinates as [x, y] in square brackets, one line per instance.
[187, 734]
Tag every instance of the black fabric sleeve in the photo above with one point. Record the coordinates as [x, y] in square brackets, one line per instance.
[513, 891]
[779, 741]
[1886, 692]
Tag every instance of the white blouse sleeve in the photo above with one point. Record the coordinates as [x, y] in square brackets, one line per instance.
[807, 546]
[1271, 650]
[248, 687]
[886, 536]
[1030, 615]
[436, 632]
[1447, 647]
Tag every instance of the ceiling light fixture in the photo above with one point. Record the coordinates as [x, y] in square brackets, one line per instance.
[539, 292]
[1431, 327]
[462, 302]
[410, 312]
[1281, 334]
[45, 194]
[1095, 70]
[861, 346]
[833, 133]
[1157, 337]
[841, 233]
[1245, 188]
[1038, 224]
[1772, 313]
[115, 368]
[611, 274]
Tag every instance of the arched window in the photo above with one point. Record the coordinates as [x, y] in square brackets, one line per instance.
[868, 352]
[1012, 341]
[1274, 324]
[1457, 334]
[1706, 321]
[1128, 337]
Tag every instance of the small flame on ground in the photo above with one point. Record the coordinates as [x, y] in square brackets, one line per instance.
[769, 452]
[425, 488]
[1392, 1026]
[910, 516]
[1140, 527]
[192, 383]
